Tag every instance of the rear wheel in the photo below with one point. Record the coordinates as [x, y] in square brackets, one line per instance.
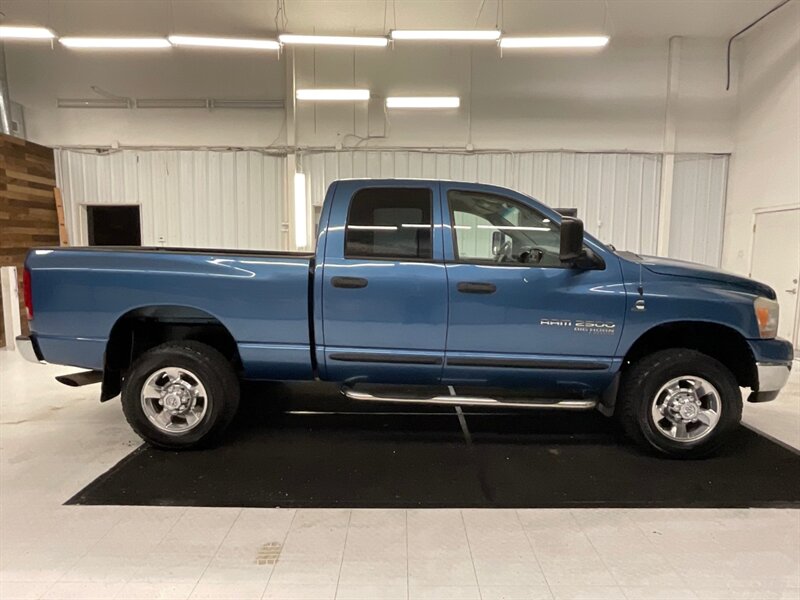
[679, 402]
[180, 395]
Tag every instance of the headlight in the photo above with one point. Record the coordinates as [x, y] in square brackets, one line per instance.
[767, 316]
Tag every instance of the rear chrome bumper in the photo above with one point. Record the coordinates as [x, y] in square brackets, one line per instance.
[27, 348]
[771, 379]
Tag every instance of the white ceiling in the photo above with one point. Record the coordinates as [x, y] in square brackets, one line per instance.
[619, 18]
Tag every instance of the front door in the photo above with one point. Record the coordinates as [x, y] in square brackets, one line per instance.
[776, 262]
[518, 316]
[384, 289]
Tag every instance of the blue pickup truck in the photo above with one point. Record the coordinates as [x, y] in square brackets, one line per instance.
[419, 291]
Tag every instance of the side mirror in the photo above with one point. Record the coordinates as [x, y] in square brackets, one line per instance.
[498, 239]
[571, 239]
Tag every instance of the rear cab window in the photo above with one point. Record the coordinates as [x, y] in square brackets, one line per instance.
[390, 223]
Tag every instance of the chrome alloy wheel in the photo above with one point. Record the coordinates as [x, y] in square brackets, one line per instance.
[174, 400]
[686, 409]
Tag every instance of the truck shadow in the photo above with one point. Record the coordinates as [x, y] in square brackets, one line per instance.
[322, 407]
[307, 446]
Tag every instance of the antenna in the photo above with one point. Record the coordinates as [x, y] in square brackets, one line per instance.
[640, 289]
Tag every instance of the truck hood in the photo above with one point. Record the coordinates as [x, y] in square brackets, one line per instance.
[682, 268]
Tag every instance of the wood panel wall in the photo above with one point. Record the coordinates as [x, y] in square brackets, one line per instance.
[27, 206]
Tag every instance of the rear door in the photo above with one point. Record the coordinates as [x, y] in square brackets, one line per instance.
[384, 287]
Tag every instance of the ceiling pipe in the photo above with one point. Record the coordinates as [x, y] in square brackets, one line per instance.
[5, 100]
[740, 32]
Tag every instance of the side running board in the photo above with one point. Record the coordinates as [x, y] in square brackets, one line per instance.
[587, 404]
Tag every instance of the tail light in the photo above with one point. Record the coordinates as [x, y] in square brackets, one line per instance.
[26, 290]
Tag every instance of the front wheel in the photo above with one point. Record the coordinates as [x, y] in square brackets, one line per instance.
[180, 395]
[679, 402]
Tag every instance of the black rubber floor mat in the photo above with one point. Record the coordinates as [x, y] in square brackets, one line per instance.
[293, 452]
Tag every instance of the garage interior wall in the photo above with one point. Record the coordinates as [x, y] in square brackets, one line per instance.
[616, 194]
[27, 207]
[597, 117]
[765, 165]
[234, 199]
[611, 100]
[188, 198]
[699, 187]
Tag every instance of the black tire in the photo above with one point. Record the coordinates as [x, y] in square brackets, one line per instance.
[214, 372]
[641, 383]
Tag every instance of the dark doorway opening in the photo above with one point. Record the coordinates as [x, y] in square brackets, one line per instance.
[114, 226]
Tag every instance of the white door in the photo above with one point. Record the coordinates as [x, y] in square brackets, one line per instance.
[776, 262]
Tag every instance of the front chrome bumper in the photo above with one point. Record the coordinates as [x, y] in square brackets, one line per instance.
[772, 376]
[27, 349]
[771, 379]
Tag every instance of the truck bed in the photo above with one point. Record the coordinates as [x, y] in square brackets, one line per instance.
[182, 250]
[261, 298]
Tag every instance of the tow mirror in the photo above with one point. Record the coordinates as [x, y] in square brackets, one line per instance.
[571, 239]
[498, 239]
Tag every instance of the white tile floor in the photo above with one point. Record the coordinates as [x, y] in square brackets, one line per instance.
[54, 440]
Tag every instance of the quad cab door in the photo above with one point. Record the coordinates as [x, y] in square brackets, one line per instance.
[384, 288]
[518, 317]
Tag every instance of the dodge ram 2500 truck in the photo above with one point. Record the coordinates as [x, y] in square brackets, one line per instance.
[418, 291]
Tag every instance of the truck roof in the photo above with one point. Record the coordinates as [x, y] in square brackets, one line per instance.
[400, 179]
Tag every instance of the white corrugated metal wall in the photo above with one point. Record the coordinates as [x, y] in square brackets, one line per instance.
[616, 194]
[231, 199]
[190, 198]
[699, 184]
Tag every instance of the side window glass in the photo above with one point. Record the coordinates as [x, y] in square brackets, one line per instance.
[474, 235]
[491, 228]
[390, 223]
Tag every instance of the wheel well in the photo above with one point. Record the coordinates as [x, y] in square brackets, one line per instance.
[144, 328]
[718, 341]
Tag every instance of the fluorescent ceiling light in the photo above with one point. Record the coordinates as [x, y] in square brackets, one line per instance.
[475, 35]
[218, 42]
[233, 103]
[423, 102]
[323, 94]
[171, 103]
[93, 103]
[9, 32]
[206, 103]
[300, 218]
[332, 40]
[585, 41]
[115, 42]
